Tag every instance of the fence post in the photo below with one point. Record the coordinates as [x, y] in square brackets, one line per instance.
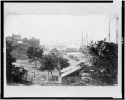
[46, 79]
[34, 74]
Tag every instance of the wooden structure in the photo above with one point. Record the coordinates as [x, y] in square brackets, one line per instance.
[52, 79]
[73, 75]
[70, 75]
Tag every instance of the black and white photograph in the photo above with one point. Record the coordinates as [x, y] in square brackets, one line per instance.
[68, 48]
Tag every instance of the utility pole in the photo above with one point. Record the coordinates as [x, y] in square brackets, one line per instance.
[13, 37]
[57, 43]
[38, 72]
[59, 66]
[84, 40]
[59, 79]
[34, 74]
[117, 30]
[109, 31]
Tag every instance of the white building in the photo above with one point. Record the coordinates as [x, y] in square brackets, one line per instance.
[73, 45]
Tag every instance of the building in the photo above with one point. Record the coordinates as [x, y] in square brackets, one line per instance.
[71, 50]
[9, 38]
[70, 75]
[55, 52]
[17, 37]
[73, 75]
[14, 38]
[59, 47]
[73, 45]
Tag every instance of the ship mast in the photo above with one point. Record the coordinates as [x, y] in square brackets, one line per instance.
[117, 30]
[109, 31]
[87, 39]
[82, 38]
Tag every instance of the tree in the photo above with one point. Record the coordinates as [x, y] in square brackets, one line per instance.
[34, 43]
[25, 40]
[104, 61]
[63, 62]
[13, 74]
[9, 61]
[51, 62]
[19, 51]
[34, 54]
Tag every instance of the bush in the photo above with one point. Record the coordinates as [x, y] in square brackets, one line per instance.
[18, 74]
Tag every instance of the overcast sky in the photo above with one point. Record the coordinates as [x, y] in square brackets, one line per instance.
[47, 23]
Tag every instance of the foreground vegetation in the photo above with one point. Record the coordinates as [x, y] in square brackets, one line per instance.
[104, 62]
[14, 74]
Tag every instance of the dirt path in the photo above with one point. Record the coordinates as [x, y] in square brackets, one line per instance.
[71, 61]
